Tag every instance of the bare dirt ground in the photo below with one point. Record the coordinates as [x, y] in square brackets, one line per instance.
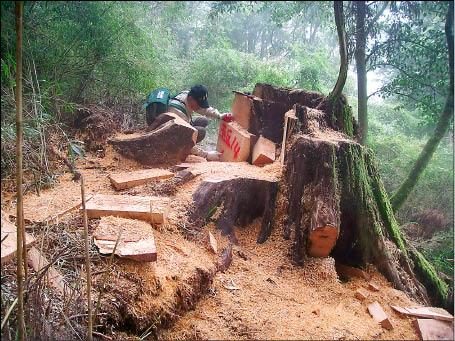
[261, 296]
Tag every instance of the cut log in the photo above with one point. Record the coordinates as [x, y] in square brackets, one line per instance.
[151, 209]
[268, 119]
[169, 143]
[287, 95]
[9, 239]
[379, 315]
[346, 272]
[241, 110]
[425, 312]
[136, 240]
[233, 142]
[434, 329]
[135, 178]
[55, 279]
[263, 152]
[361, 294]
[240, 200]
[322, 239]
[373, 286]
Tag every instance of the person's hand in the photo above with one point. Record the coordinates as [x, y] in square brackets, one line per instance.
[227, 117]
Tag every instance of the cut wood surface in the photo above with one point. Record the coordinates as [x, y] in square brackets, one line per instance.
[136, 240]
[169, 143]
[361, 294]
[263, 152]
[241, 110]
[212, 243]
[434, 330]
[55, 218]
[373, 286]
[322, 240]
[9, 239]
[151, 209]
[38, 262]
[135, 178]
[233, 142]
[379, 315]
[425, 312]
[346, 272]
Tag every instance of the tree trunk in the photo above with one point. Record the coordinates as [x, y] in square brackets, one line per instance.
[339, 21]
[443, 125]
[21, 264]
[240, 200]
[332, 186]
[361, 71]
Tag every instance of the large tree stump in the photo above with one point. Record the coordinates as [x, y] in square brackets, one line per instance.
[240, 200]
[329, 179]
[169, 143]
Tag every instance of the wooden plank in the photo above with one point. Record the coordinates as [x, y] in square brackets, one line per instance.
[283, 143]
[233, 142]
[136, 240]
[241, 110]
[430, 329]
[151, 209]
[135, 178]
[37, 261]
[9, 239]
[379, 315]
[425, 312]
[263, 152]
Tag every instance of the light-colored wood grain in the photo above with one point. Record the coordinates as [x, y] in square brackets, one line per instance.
[151, 209]
[241, 110]
[9, 239]
[126, 180]
[263, 152]
[379, 315]
[234, 142]
[430, 329]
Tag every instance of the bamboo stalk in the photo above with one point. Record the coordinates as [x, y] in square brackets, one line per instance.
[19, 157]
[87, 265]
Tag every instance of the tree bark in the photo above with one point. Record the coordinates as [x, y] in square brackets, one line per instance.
[20, 204]
[341, 31]
[240, 199]
[361, 71]
[425, 156]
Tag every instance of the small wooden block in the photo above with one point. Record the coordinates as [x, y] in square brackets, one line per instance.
[361, 294]
[136, 238]
[9, 244]
[379, 315]
[241, 110]
[213, 243]
[131, 179]
[233, 142]
[263, 152]
[430, 329]
[373, 286]
[151, 209]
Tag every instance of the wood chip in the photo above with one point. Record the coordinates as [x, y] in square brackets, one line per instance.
[347, 272]
[373, 286]
[361, 294]
[379, 315]
[213, 243]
